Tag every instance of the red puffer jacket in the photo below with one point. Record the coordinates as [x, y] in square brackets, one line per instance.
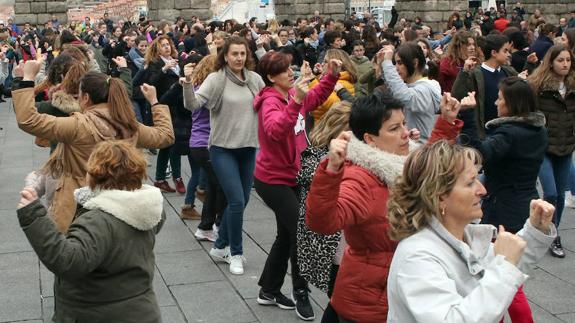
[354, 200]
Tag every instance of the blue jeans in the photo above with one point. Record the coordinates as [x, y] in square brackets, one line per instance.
[572, 179]
[234, 169]
[553, 175]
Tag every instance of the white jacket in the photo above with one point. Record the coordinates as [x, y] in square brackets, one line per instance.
[436, 278]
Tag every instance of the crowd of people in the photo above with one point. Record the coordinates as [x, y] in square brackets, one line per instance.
[401, 163]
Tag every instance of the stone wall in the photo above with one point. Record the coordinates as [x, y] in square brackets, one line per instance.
[39, 11]
[436, 13]
[292, 9]
[171, 9]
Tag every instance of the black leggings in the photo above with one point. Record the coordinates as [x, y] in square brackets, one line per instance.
[215, 200]
[282, 199]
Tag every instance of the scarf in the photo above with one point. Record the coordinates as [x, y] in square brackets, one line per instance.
[175, 69]
[222, 76]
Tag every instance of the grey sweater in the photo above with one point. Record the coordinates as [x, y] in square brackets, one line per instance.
[234, 123]
[420, 99]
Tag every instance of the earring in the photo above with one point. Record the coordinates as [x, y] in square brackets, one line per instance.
[443, 211]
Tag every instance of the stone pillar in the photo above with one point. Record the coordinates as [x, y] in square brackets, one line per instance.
[39, 11]
[169, 10]
[292, 9]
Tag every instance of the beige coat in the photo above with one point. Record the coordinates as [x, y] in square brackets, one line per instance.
[77, 135]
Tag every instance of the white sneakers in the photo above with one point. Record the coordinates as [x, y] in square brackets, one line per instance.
[236, 262]
[569, 200]
[208, 235]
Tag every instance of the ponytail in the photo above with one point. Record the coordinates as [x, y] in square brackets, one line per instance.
[102, 88]
[120, 105]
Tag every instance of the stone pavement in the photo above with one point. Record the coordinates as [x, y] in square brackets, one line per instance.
[189, 285]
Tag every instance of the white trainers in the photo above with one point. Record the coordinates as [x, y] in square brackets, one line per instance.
[204, 235]
[569, 200]
[222, 255]
[237, 264]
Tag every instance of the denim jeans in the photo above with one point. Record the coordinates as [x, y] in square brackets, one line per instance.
[553, 175]
[234, 169]
[193, 182]
[175, 159]
[572, 179]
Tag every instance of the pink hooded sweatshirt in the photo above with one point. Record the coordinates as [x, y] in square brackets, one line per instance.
[281, 131]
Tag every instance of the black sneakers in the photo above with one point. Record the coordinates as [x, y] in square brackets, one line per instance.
[303, 307]
[557, 248]
[278, 299]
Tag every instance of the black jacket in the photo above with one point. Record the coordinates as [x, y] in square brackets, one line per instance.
[156, 77]
[181, 118]
[512, 151]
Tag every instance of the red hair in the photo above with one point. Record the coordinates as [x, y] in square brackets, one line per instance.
[272, 64]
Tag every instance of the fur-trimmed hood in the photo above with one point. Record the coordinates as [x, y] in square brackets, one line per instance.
[535, 119]
[65, 102]
[387, 167]
[141, 209]
[552, 84]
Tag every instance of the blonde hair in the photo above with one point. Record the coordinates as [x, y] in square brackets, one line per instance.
[333, 122]
[153, 51]
[544, 76]
[347, 64]
[206, 66]
[429, 173]
[273, 26]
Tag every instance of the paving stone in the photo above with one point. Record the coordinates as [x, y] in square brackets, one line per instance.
[174, 235]
[272, 313]
[47, 309]
[172, 314]
[12, 238]
[561, 268]
[212, 302]
[20, 292]
[163, 294]
[568, 239]
[47, 281]
[550, 292]
[187, 267]
[541, 315]
[568, 317]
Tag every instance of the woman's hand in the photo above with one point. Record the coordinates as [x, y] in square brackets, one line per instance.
[170, 64]
[541, 215]
[338, 151]
[120, 61]
[334, 67]
[414, 134]
[18, 70]
[189, 71]
[28, 195]
[470, 63]
[468, 102]
[301, 88]
[509, 246]
[31, 69]
[305, 70]
[386, 53]
[449, 107]
[149, 92]
[532, 58]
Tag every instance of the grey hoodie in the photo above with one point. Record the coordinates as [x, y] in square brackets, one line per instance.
[421, 99]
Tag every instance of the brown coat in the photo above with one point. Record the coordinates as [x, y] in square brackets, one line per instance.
[77, 135]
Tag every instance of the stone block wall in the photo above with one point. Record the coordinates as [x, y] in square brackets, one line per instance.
[292, 9]
[39, 11]
[436, 13]
[169, 10]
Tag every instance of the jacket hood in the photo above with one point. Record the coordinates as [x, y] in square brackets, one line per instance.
[141, 209]
[552, 84]
[387, 167]
[65, 102]
[265, 93]
[434, 87]
[535, 119]
[359, 60]
[103, 126]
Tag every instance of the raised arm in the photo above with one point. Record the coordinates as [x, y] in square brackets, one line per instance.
[161, 134]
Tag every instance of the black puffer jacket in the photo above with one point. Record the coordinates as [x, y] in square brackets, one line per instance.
[560, 117]
[181, 118]
[512, 151]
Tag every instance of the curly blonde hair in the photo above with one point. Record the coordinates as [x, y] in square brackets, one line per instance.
[206, 66]
[429, 173]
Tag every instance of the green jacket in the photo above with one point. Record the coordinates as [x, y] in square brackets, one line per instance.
[104, 265]
[469, 81]
[363, 67]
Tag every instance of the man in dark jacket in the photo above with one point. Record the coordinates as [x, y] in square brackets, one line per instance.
[484, 81]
